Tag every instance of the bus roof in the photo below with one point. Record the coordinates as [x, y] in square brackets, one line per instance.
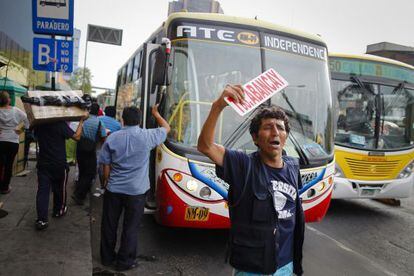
[241, 21]
[371, 58]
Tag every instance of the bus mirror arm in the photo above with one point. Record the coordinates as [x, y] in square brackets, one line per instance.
[167, 75]
[162, 66]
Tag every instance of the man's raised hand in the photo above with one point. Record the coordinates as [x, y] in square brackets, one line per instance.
[234, 93]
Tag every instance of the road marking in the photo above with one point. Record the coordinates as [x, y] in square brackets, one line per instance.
[341, 245]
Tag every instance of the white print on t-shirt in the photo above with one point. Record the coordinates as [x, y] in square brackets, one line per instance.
[280, 192]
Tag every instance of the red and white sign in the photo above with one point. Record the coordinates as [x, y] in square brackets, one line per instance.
[258, 91]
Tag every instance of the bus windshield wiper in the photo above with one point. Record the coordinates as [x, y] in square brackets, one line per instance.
[299, 149]
[379, 107]
[295, 113]
[358, 81]
[239, 131]
[396, 91]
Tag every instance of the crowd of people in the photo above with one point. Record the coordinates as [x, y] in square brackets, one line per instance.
[266, 234]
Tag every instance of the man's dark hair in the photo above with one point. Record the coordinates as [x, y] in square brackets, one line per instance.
[266, 113]
[110, 111]
[4, 98]
[131, 116]
[94, 110]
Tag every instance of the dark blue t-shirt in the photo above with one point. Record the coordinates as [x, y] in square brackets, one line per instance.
[283, 190]
[52, 143]
[281, 186]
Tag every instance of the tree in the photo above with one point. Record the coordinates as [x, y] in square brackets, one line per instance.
[77, 81]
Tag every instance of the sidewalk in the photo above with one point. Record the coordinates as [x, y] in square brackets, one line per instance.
[64, 248]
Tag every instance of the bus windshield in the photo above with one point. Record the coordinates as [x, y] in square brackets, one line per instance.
[374, 116]
[307, 101]
[202, 69]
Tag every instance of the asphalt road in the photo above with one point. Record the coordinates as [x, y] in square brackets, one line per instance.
[357, 237]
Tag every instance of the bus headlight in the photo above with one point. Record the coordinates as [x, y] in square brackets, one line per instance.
[193, 186]
[407, 171]
[320, 186]
[338, 171]
[205, 192]
[311, 193]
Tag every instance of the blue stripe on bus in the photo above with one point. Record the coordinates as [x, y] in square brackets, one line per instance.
[311, 183]
[216, 187]
[223, 192]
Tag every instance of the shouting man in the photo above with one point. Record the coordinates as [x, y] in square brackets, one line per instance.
[267, 221]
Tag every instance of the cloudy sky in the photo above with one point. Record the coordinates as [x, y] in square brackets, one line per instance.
[347, 26]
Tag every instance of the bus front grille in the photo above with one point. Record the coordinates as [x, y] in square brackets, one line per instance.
[372, 170]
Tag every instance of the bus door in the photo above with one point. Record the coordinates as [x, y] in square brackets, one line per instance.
[148, 91]
[153, 74]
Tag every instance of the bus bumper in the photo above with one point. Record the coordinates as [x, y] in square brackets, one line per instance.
[173, 203]
[397, 188]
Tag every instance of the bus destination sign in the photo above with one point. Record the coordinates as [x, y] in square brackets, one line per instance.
[216, 33]
[294, 46]
[258, 91]
[373, 69]
[248, 38]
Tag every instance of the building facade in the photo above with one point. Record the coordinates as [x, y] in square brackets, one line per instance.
[207, 6]
[393, 51]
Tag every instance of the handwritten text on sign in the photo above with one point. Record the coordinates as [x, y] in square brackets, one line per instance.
[258, 91]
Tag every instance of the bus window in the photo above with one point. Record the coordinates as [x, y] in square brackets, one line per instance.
[129, 69]
[137, 66]
[123, 75]
[311, 127]
[397, 103]
[200, 72]
[118, 95]
[118, 81]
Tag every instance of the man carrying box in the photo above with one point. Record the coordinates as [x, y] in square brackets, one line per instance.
[52, 168]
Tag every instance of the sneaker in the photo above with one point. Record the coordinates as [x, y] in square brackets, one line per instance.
[109, 264]
[77, 200]
[41, 225]
[3, 213]
[120, 267]
[61, 213]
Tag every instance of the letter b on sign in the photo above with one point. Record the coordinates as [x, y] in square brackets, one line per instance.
[43, 53]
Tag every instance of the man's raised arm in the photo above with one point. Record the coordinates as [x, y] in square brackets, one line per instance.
[206, 143]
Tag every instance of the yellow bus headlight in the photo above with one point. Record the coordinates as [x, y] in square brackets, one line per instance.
[407, 171]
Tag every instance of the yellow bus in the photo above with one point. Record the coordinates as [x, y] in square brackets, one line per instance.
[374, 142]
[207, 52]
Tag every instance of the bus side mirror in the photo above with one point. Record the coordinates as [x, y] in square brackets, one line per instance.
[161, 71]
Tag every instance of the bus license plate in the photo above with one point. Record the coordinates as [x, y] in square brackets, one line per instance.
[368, 192]
[196, 213]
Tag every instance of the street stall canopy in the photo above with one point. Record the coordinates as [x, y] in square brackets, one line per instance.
[9, 85]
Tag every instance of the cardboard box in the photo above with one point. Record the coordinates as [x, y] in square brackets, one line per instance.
[47, 114]
[18, 164]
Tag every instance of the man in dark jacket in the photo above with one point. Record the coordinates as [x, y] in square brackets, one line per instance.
[52, 169]
[267, 221]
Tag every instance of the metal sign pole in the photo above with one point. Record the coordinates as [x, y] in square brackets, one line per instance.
[53, 84]
[84, 62]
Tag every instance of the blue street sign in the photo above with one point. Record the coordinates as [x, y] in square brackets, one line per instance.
[43, 54]
[52, 55]
[53, 17]
[64, 56]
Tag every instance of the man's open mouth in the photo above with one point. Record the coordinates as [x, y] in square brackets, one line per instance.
[276, 143]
